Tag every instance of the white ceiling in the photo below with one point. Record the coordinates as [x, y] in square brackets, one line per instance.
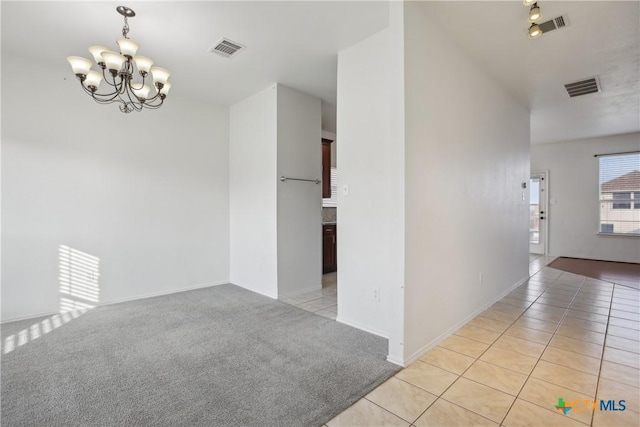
[290, 42]
[603, 39]
[296, 43]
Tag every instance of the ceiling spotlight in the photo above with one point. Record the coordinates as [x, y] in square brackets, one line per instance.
[534, 31]
[528, 2]
[534, 13]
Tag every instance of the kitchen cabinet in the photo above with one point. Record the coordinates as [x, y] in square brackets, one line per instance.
[326, 168]
[329, 248]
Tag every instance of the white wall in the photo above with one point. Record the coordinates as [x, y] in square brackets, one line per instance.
[146, 193]
[253, 192]
[275, 226]
[371, 153]
[573, 182]
[467, 153]
[299, 203]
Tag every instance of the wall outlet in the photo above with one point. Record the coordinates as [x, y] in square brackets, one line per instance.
[376, 294]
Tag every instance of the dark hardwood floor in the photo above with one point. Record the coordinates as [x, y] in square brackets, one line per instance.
[622, 273]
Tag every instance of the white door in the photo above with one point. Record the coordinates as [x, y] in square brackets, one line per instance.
[538, 213]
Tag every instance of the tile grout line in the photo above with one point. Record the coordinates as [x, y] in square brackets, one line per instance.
[545, 348]
[481, 354]
[604, 346]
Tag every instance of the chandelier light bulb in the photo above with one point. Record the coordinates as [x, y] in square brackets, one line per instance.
[96, 51]
[113, 61]
[130, 90]
[165, 89]
[534, 31]
[93, 80]
[143, 63]
[79, 65]
[528, 2]
[128, 47]
[160, 75]
[143, 92]
[534, 13]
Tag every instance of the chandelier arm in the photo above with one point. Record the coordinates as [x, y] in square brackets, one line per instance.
[136, 105]
[155, 97]
[151, 105]
[104, 77]
[95, 94]
[111, 100]
[131, 83]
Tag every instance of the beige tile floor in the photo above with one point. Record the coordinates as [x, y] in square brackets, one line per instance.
[323, 302]
[558, 335]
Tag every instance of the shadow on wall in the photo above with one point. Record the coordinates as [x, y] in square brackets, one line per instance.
[79, 290]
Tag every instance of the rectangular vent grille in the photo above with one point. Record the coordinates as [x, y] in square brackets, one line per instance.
[227, 48]
[554, 24]
[583, 87]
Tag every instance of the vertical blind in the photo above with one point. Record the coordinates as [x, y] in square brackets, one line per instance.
[620, 193]
[333, 201]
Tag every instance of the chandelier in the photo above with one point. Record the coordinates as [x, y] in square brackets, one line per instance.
[118, 71]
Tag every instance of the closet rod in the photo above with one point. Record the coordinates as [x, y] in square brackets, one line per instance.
[284, 178]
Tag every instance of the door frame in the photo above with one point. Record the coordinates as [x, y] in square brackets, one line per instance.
[544, 174]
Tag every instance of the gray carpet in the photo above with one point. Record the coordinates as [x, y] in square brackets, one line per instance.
[219, 356]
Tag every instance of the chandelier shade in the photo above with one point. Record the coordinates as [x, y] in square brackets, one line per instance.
[124, 75]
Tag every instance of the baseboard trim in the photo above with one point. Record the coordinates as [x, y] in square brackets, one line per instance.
[430, 345]
[158, 294]
[30, 316]
[362, 327]
[300, 292]
[155, 294]
[264, 294]
[395, 361]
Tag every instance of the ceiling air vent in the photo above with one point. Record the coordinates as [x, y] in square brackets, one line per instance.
[554, 24]
[583, 87]
[227, 48]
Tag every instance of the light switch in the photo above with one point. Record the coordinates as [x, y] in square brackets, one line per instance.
[345, 189]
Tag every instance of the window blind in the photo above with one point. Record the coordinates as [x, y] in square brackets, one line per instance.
[619, 193]
[333, 201]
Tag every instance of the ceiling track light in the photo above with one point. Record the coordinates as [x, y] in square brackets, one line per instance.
[534, 13]
[528, 2]
[118, 72]
[534, 31]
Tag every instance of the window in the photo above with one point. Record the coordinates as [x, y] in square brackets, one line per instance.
[624, 201]
[620, 194]
[333, 201]
[606, 228]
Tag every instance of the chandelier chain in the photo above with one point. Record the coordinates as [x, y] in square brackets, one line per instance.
[125, 29]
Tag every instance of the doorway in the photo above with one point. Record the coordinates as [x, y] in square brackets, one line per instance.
[538, 214]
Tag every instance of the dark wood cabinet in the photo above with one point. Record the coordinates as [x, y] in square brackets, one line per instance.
[329, 248]
[326, 168]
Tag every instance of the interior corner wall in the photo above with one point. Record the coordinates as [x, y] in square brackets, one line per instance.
[371, 153]
[253, 192]
[467, 155]
[573, 219]
[144, 193]
[299, 203]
